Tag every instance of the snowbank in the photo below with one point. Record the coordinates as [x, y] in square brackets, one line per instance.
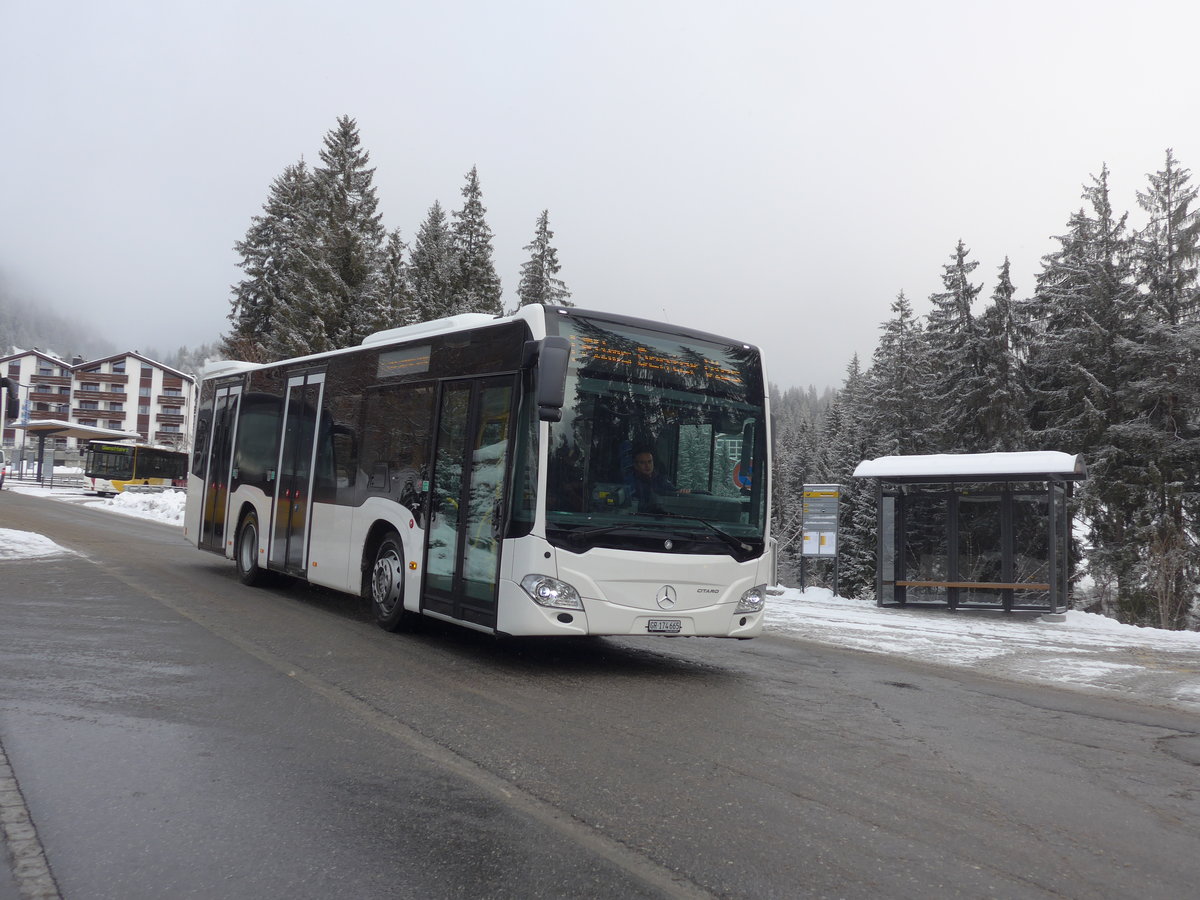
[164, 506]
[27, 545]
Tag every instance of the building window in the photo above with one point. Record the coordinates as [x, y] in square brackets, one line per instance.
[89, 386]
[91, 422]
[143, 410]
[172, 411]
[89, 404]
[119, 367]
[174, 429]
[144, 391]
[116, 425]
[116, 407]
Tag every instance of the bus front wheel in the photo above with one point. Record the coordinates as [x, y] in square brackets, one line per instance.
[249, 571]
[386, 586]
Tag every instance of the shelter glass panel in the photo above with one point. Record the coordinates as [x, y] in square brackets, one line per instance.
[926, 548]
[1031, 522]
[980, 542]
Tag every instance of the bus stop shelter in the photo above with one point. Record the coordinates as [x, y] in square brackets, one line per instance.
[980, 530]
[56, 428]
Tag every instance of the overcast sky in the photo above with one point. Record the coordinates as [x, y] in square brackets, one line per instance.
[773, 171]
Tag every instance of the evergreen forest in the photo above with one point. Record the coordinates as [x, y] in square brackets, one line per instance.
[1103, 360]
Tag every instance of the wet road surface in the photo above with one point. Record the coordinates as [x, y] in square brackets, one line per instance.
[174, 733]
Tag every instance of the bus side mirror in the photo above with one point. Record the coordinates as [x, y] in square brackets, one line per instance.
[553, 355]
[12, 408]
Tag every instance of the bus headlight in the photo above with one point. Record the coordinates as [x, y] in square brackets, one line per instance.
[752, 601]
[547, 591]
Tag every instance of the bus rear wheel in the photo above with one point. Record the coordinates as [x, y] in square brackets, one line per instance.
[386, 586]
[249, 571]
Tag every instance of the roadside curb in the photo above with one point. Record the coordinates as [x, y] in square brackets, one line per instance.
[27, 857]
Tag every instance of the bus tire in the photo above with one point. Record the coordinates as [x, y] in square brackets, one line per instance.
[385, 586]
[249, 571]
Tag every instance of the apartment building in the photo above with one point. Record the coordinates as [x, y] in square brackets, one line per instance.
[126, 392]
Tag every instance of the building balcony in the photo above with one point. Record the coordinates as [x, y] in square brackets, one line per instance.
[48, 397]
[56, 380]
[112, 414]
[168, 419]
[107, 396]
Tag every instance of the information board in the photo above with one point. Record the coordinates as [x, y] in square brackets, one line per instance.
[820, 516]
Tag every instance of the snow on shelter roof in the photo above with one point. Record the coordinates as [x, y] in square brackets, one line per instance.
[1038, 465]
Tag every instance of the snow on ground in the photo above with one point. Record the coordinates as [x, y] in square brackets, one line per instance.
[162, 506]
[27, 545]
[1078, 650]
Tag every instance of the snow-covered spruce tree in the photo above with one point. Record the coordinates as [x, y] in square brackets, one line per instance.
[432, 267]
[348, 257]
[849, 439]
[957, 390]
[539, 274]
[275, 262]
[796, 415]
[1080, 360]
[397, 305]
[1005, 336]
[1163, 401]
[476, 285]
[898, 378]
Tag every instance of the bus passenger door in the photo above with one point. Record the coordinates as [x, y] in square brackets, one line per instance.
[470, 466]
[293, 484]
[219, 467]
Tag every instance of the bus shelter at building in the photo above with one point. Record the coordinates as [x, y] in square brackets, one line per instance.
[982, 530]
[55, 428]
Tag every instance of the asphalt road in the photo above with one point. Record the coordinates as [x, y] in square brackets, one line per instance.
[175, 734]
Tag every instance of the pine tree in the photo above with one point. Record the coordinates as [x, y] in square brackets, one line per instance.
[397, 306]
[899, 379]
[348, 253]
[795, 434]
[1164, 401]
[850, 439]
[273, 257]
[432, 268]
[539, 275]
[957, 389]
[476, 286]
[1079, 365]
[1005, 337]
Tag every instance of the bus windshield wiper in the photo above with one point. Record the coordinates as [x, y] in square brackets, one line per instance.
[733, 542]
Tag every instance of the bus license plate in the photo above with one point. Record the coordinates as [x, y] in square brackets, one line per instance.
[665, 626]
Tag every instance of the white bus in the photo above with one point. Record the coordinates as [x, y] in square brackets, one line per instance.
[479, 470]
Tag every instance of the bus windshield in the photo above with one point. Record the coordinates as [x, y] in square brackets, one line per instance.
[113, 462]
[659, 443]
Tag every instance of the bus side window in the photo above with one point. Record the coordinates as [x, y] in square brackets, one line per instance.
[396, 438]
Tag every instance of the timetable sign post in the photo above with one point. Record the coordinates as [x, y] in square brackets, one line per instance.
[820, 516]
